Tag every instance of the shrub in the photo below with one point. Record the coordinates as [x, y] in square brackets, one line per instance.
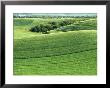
[44, 31]
[54, 25]
[44, 28]
[62, 23]
[36, 29]
[66, 22]
[48, 26]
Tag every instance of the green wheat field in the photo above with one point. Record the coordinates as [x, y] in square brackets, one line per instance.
[55, 44]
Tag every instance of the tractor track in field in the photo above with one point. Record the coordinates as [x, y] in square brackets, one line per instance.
[60, 54]
[54, 47]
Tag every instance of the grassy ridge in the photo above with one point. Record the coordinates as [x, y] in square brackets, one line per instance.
[48, 45]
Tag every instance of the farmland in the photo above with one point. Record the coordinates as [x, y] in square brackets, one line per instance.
[64, 49]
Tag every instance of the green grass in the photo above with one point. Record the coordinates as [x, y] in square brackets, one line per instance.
[82, 63]
[48, 54]
[57, 53]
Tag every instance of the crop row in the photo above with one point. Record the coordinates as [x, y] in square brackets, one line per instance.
[83, 63]
[53, 52]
